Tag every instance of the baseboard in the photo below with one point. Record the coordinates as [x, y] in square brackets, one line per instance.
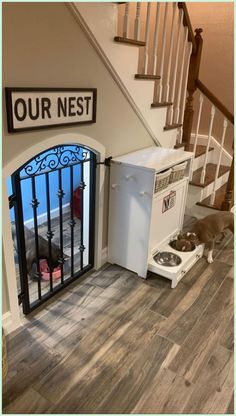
[8, 324]
[43, 217]
[104, 255]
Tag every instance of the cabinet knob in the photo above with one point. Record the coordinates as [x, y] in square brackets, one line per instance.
[128, 177]
[114, 186]
[143, 193]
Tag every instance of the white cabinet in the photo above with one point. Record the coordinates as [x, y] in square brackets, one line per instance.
[140, 220]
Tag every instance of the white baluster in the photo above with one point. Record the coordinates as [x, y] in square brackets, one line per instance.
[185, 91]
[167, 87]
[177, 110]
[137, 22]
[126, 22]
[213, 195]
[201, 98]
[156, 38]
[171, 108]
[147, 31]
[203, 173]
[163, 51]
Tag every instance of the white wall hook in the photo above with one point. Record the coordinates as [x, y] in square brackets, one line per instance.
[128, 177]
[142, 193]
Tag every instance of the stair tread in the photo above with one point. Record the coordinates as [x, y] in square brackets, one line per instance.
[128, 41]
[219, 197]
[210, 174]
[172, 126]
[179, 145]
[147, 76]
[163, 104]
[200, 150]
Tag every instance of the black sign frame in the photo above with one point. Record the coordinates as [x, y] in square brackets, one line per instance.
[8, 94]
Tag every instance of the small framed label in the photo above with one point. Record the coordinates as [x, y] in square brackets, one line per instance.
[169, 201]
[40, 108]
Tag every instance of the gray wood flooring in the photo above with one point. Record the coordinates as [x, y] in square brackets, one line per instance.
[114, 343]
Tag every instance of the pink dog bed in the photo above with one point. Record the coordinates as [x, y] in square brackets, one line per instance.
[44, 269]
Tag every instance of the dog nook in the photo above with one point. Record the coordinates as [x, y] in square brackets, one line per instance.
[54, 227]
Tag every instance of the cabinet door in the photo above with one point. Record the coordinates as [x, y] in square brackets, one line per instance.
[131, 195]
[167, 213]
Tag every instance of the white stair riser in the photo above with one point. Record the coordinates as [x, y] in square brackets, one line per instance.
[199, 161]
[209, 189]
[124, 62]
[226, 158]
[197, 194]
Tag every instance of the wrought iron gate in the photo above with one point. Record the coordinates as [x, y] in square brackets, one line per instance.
[65, 172]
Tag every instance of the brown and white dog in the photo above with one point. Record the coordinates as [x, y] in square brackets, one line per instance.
[30, 250]
[207, 229]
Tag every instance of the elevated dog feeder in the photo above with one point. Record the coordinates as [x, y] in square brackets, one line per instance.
[148, 191]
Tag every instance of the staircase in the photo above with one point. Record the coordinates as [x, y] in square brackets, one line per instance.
[152, 53]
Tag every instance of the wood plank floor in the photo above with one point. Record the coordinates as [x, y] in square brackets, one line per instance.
[114, 343]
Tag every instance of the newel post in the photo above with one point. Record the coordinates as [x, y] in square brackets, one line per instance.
[228, 200]
[194, 67]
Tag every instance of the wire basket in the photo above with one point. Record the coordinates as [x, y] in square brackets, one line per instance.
[162, 180]
[177, 172]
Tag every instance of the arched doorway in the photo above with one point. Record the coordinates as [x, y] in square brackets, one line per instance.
[65, 160]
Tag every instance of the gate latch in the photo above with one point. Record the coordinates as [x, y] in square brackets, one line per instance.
[107, 161]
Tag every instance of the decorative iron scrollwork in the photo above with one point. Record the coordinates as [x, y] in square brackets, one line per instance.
[82, 185]
[58, 157]
[50, 235]
[35, 203]
[72, 223]
[60, 193]
[82, 248]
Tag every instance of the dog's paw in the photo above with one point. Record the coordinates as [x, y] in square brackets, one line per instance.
[210, 260]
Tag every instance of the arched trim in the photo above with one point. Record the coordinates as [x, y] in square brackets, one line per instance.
[68, 138]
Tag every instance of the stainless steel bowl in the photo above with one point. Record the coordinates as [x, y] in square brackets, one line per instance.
[168, 259]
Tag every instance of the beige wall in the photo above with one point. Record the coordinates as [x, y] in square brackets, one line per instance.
[5, 298]
[217, 63]
[43, 46]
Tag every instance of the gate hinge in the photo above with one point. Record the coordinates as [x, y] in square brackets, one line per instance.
[11, 200]
[21, 297]
[107, 161]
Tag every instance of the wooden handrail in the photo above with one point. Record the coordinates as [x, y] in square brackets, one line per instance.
[229, 198]
[187, 22]
[214, 100]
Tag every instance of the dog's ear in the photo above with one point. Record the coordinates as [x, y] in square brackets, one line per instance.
[190, 236]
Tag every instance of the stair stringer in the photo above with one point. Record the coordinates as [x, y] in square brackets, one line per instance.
[99, 21]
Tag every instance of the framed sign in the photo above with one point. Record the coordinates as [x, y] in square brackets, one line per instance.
[40, 108]
[169, 201]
